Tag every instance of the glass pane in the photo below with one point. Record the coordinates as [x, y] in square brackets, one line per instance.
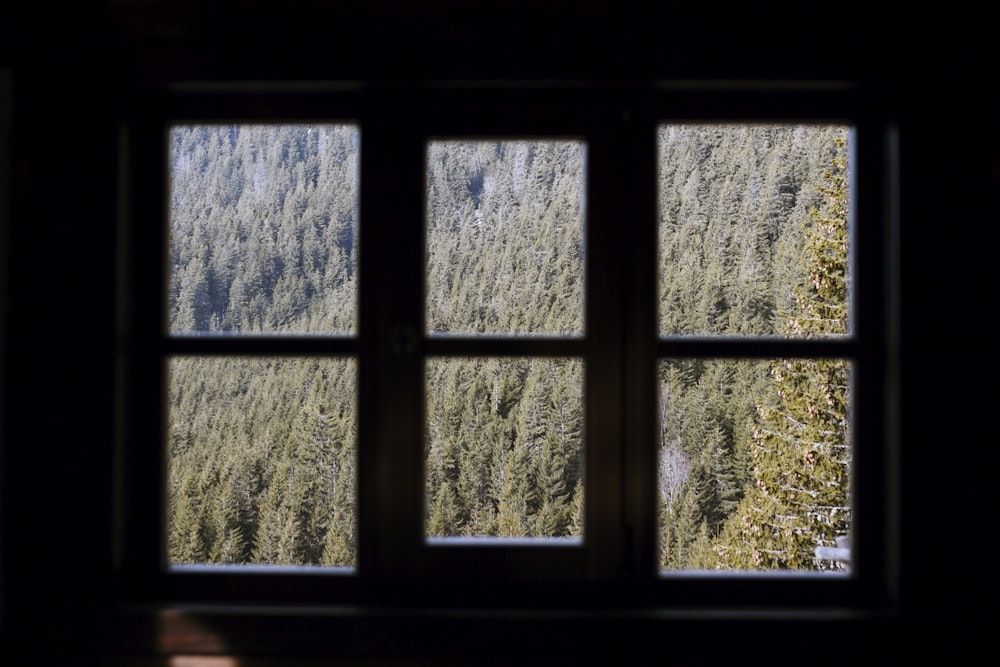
[505, 238]
[754, 465]
[754, 228]
[261, 461]
[263, 229]
[504, 444]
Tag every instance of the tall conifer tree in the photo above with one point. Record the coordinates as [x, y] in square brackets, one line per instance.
[801, 454]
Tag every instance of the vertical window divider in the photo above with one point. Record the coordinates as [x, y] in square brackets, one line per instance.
[604, 531]
[391, 295]
[141, 470]
[638, 177]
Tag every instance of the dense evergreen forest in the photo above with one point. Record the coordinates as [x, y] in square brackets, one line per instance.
[505, 256]
[754, 455]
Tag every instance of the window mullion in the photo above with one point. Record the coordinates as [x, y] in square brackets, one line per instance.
[874, 540]
[390, 484]
[638, 161]
[141, 369]
[604, 532]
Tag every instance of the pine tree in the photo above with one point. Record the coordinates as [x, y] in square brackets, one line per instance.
[278, 530]
[315, 467]
[194, 303]
[517, 493]
[801, 454]
[186, 543]
[553, 516]
[445, 517]
[230, 545]
[576, 511]
[340, 548]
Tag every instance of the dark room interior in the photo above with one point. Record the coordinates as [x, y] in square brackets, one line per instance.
[85, 87]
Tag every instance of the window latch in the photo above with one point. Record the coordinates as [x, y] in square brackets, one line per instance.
[403, 340]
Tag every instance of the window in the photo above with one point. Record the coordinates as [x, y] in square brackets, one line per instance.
[754, 244]
[491, 311]
[505, 258]
[263, 242]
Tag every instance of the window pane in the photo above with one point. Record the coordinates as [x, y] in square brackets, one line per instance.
[261, 461]
[505, 237]
[263, 229]
[753, 224]
[504, 443]
[754, 464]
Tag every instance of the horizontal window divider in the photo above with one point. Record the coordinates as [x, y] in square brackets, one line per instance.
[500, 543]
[758, 348]
[300, 346]
[227, 102]
[505, 347]
[267, 570]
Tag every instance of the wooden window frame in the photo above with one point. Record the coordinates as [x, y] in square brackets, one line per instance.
[615, 566]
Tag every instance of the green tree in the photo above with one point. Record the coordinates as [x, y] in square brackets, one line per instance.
[194, 303]
[517, 496]
[186, 543]
[801, 454]
[445, 515]
[278, 535]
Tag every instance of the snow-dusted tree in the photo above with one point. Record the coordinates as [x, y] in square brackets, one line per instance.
[801, 454]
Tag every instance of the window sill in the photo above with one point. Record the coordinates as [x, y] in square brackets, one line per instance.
[411, 635]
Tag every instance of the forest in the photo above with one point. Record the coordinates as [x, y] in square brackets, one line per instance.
[754, 456]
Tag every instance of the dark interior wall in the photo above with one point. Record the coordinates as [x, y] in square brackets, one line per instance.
[70, 64]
